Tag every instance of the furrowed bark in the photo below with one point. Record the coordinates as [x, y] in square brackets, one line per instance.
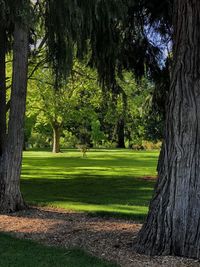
[173, 223]
[10, 195]
[2, 90]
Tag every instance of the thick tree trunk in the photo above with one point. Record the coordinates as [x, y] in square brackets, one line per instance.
[56, 139]
[10, 195]
[173, 223]
[2, 90]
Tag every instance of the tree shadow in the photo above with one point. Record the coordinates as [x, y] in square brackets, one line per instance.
[102, 237]
[122, 197]
[108, 238]
[100, 185]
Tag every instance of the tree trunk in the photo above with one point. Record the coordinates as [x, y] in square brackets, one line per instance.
[10, 195]
[173, 223]
[56, 139]
[120, 133]
[2, 90]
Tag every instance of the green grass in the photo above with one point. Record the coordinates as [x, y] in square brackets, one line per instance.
[23, 253]
[106, 182]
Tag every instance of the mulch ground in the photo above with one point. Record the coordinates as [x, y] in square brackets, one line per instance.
[110, 239]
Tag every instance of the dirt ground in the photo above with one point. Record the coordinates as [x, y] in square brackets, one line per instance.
[111, 239]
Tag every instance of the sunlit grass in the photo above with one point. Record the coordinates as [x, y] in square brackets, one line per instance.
[106, 182]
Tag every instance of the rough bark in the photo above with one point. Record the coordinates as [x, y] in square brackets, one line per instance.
[10, 195]
[56, 139]
[173, 223]
[2, 90]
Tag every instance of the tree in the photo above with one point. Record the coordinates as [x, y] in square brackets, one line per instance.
[16, 15]
[72, 106]
[172, 225]
[10, 195]
[2, 88]
[134, 108]
[96, 134]
[51, 106]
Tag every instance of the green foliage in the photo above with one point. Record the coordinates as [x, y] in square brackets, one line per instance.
[109, 181]
[15, 10]
[125, 101]
[72, 23]
[25, 253]
[103, 31]
[107, 31]
[29, 122]
[40, 138]
[71, 108]
[96, 134]
[154, 126]
[89, 114]
[138, 110]
[151, 145]
[68, 140]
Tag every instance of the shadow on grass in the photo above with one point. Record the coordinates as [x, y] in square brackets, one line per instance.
[136, 160]
[104, 183]
[111, 196]
[19, 253]
[67, 229]
[137, 218]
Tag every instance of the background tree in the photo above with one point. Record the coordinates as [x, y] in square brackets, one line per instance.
[97, 136]
[73, 106]
[50, 106]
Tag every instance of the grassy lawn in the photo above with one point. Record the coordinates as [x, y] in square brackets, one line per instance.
[23, 253]
[106, 182]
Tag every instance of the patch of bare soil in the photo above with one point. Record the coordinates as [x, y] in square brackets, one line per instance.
[110, 239]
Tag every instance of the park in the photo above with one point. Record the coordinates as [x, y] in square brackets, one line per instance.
[99, 133]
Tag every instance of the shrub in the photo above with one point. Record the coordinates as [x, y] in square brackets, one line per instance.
[151, 145]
